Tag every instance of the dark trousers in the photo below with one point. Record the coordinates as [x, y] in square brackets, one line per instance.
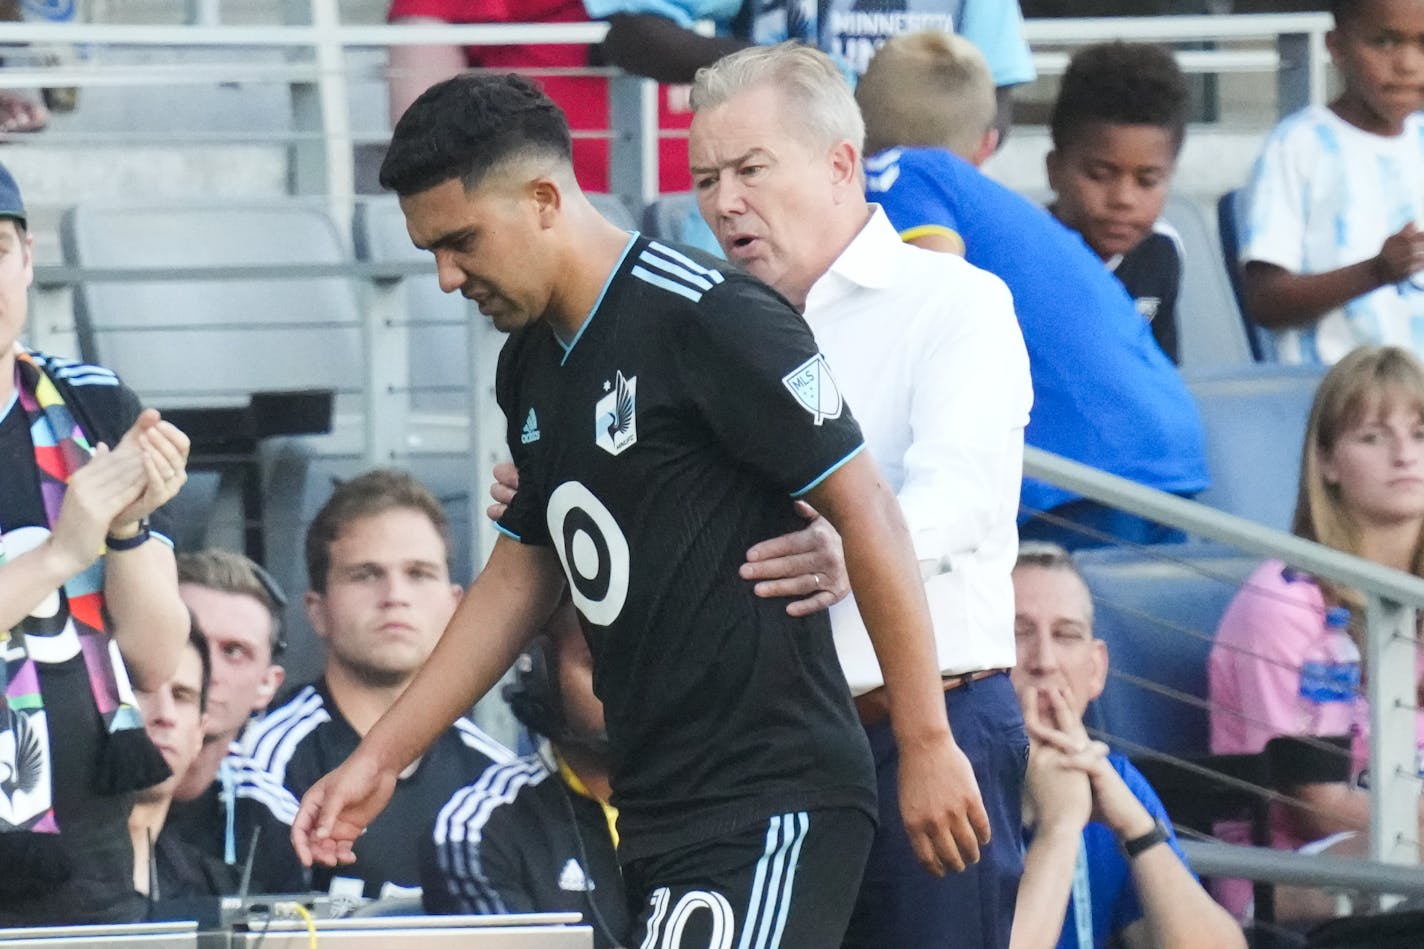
[901, 905]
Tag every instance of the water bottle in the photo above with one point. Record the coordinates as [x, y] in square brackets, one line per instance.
[1331, 670]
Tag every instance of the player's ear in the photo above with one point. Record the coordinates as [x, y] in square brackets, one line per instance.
[548, 199]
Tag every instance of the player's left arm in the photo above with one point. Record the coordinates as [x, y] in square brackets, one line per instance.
[940, 803]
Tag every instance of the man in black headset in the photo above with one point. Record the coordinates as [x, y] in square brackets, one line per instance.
[538, 834]
[238, 607]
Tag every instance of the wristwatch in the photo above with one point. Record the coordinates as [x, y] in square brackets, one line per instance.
[1155, 836]
[129, 543]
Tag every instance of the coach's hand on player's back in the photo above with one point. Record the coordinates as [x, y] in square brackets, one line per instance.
[940, 805]
[337, 809]
[809, 564]
[506, 483]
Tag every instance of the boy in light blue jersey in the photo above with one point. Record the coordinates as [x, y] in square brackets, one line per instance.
[1104, 393]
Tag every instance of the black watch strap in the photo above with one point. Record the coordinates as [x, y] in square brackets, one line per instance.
[130, 543]
[1157, 835]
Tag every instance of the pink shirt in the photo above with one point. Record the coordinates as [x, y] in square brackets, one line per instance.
[1253, 676]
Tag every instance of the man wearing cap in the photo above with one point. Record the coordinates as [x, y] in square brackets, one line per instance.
[89, 608]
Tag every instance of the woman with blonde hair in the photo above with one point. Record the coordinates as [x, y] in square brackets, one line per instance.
[1361, 491]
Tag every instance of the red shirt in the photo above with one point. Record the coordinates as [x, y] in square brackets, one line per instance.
[584, 99]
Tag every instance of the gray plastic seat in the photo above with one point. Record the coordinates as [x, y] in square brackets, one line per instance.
[1210, 331]
[1254, 417]
[1157, 610]
[208, 343]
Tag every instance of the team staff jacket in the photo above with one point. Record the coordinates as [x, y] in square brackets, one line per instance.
[521, 840]
[298, 743]
[654, 448]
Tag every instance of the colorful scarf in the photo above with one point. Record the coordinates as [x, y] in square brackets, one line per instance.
[70, 621]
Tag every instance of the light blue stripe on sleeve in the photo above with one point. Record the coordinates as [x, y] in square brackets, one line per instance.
[507, 532]
[829, 471]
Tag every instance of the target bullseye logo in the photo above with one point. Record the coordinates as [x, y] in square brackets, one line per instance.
[593, 550]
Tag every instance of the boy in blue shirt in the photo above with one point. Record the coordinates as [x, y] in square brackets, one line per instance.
[1104, 393]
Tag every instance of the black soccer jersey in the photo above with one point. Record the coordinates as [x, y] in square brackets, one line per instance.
[657, 446]
[521, 840]
[294, 745]
[1152, 274]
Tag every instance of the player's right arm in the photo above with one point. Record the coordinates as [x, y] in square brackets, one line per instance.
[508, 602]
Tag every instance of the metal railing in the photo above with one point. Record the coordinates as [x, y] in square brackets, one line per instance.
[1393, 600]
[1290, 46]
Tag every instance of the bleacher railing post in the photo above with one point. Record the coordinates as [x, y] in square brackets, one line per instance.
[385, 354]
[324, 163]
[633, 148]
[1391, 687]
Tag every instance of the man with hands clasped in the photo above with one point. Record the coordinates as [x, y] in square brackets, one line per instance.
[88, 605]
[1103, 866]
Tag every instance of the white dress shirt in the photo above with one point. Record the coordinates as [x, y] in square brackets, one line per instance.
[927, 352]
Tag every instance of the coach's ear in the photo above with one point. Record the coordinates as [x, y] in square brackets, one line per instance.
[843, 163]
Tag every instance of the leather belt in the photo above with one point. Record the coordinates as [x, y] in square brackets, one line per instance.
[874, 706]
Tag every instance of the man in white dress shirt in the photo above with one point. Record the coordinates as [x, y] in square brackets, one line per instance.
[927, 350]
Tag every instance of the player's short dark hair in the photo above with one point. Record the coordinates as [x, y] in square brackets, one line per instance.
[466, 126]
[374, 492]
[198, 641]
[1122, 84]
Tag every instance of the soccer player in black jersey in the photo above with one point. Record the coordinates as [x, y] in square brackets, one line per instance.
[664, 410]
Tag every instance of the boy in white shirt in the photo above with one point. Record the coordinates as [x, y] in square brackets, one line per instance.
[1330, 244]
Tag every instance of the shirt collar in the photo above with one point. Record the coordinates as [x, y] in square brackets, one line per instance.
[868, 260]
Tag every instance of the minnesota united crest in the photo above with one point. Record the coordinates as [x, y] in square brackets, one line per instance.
[813, 387]
[615, 425]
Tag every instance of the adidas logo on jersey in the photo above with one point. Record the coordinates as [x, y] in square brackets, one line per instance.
[572, 878]
[531, 430]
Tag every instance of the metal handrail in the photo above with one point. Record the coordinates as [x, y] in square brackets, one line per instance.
[1200, 520]
[1393, 601]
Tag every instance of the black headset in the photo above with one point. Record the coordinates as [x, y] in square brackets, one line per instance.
[278, 596]
[534, 696]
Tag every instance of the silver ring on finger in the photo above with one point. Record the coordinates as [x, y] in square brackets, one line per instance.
[816, 578]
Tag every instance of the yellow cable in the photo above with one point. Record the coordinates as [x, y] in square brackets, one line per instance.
[307, 917]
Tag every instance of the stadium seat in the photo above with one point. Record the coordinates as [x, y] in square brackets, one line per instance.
[196, 343]
[1254, 418]
[1210, 331]
[225, 352]
[1263, 346]
[674, 217]
[1157, 610]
